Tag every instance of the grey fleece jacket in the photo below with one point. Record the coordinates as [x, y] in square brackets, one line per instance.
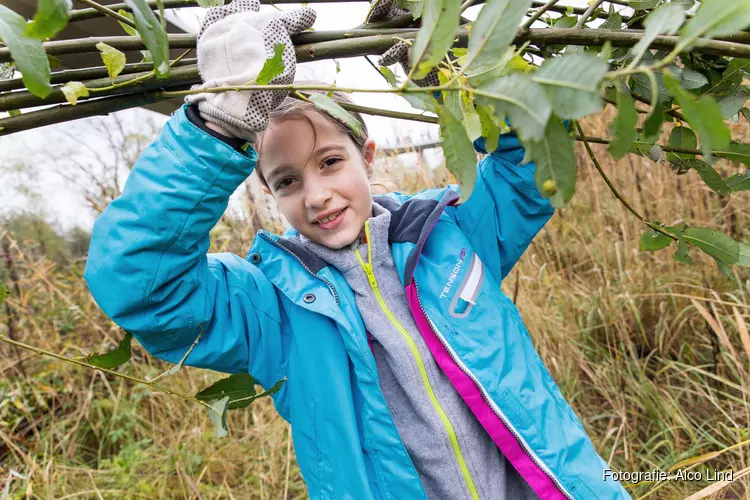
[417, 421]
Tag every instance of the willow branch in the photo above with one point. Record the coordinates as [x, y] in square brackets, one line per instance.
[537, 14]
[350, 43]
[64, 113]
[178, 77]
[108, 12]
[88, 74]
[50, 354]
[586, 15]
[83, 14]
[614, 190]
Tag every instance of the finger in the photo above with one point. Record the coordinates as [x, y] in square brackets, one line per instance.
[379, 11]
[218, 13]
[399, 53]
[298, 20]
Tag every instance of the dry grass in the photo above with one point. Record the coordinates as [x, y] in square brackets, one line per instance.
[649, 352]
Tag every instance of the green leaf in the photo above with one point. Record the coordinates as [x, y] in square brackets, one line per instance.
[744, 259]
[652, 241]
[463, 109]
[703, 115]
[692, 79]
[14, 112]
[490, 129]
[613, 22]
[682, 137]
[28, 53]
[664, 20]
[493, 31]
[51, 16]
[113, 358]
[571, 83]
[153, 35]
[217, 414]
[238, 388]
[439, 23]
[325, 103]
[207, 4]
[739, 182]
[716, 18]
[389, 76]
[643, 4]
[746, 113]
[73, 90]
[113, 59]
[716, 244]
[273, 67]
[735, 151]
[686, 4]
[731, 104]
[640, 84]
[518, 98]
[3, 292]
[623, 125]
[731, 78]
[682, 254]
[555, 161]
[652, 125]
[710, 176]
[128, 29]
[460, 156]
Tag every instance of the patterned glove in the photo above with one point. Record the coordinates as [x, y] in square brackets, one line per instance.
[399, 53]
[233, 44]
[384, 10]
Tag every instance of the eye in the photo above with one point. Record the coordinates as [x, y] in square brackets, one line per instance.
[329, 162]
[283, 183]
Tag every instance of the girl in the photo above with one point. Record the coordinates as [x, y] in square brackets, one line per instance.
[408, 373]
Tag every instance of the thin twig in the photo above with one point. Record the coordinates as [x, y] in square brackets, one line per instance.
[78, 362]
[586, 15]
[536, 15]
[614, 190]
[467, 4]
[108, 12]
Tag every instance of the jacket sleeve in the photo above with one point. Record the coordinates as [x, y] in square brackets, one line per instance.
[148, 269]
[505, 211]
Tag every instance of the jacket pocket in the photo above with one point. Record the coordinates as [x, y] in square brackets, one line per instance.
[466, 295]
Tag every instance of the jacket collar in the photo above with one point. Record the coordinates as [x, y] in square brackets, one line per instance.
[411, 222]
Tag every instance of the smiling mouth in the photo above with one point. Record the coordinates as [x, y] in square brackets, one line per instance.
[332, 220]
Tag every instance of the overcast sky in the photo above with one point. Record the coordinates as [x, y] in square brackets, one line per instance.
[64, 205]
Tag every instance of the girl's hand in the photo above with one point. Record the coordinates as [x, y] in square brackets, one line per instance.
[233, 44]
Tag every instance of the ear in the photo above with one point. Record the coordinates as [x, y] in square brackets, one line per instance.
[368, 153]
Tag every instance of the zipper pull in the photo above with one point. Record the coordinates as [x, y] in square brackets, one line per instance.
[371, 276]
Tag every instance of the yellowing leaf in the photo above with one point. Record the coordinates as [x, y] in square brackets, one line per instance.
[74, 90]
[113, 59]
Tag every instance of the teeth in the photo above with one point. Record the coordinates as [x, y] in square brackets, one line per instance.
[329, 218]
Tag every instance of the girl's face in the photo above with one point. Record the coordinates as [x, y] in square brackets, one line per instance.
[318, 177]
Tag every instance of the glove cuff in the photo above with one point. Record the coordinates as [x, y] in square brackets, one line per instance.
[236, 127]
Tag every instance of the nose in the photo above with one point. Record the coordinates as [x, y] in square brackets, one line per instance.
[317, 193]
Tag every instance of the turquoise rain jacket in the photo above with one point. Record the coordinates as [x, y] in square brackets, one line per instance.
[283, 313]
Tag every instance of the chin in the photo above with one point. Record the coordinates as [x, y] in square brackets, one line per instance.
[335, 239]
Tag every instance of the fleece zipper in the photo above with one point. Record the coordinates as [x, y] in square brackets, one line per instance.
[367, 267]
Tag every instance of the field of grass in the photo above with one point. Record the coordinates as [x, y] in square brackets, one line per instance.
[650, 353]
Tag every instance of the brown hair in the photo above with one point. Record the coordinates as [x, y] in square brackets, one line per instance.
[293, 107]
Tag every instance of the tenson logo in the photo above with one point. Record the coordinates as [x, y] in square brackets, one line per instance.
[454, 273]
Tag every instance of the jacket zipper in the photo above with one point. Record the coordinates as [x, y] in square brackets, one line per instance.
[367, 267]
[524, 446]
[330, 285]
